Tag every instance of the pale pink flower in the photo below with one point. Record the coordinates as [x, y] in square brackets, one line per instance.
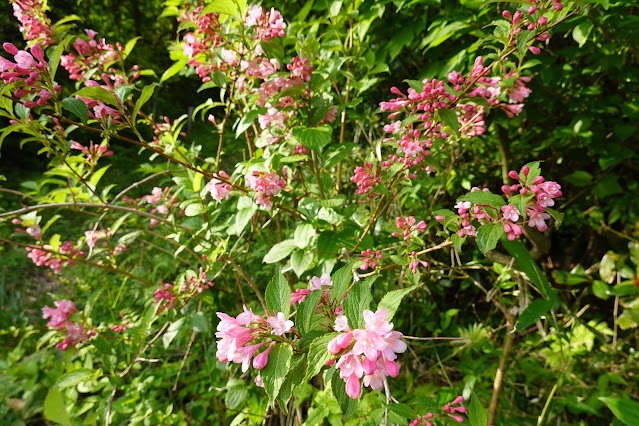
[279, 324]
[510, 212]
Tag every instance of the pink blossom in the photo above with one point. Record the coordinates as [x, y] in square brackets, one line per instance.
[279, 324]
[510, 212]
[318, 283]
[60, 314]
[341, 323]
[537, 219]
[218, 189]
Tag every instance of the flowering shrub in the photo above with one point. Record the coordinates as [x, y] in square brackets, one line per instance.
[281, 193]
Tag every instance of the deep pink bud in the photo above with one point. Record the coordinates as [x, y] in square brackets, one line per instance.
[10, 48]
[532, 9]
[439, 218]
[513, 174]
[538, 179]
[525, 170]
[353, 387]
[261, 360]
[506, 14]
[36, 51]
[534, 50]
[542, 21]
[460, 398]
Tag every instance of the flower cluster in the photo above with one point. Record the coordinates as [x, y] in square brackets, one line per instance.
[33, 230]
[162, 200]
[407, 225]
[370, 259]
[59, 320]
[125, 325]
[241, 337]
[265, 26]
[196, 284]
[528, 200]
[93, 153]
[365, 179]
[96, 57]
[47, 256]
[34, 23]
[219, 190]
[447, 410]
[266, 184]
[368, 353]
[30, 73]
[317, 283]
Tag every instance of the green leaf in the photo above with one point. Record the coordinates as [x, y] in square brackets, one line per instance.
[292, 380]
[122, 92]
[235, 8]
[342, 278]
[403, 410]
[476, 413]
[306, 312]
[581, 32]
[304, 234]
[130, 45]
[242, 218]
[320, 106]
[146, 94]
[483, 198]
[358, 300]
[314, 138]
[72, 378]
[55, 409]
[347, 404]
[601, 289]
[449, 117]
[392, 299]
[533, 313]
[624, 409]
[527, 265]
[199, 323]
[337, 153]
[279, 361]
[318, 355]
[301, 260]
[279, 251]
[308, 207]
[171, 332]
[488, 235]
[278, 295]
[174, 69]
[77, 107]
[235, 395]
[98, 93]
[246, 122]
[193, 209]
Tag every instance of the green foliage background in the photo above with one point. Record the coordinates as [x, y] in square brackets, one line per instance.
[580, 121]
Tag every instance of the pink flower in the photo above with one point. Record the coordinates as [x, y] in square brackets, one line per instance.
[376, 322]
[279, 324]
[510, 212]
[368, 343]
[218, 189]
[341, 323]
[60, 314]
[299, 295]
[318, 283]
[537, 219]
[244, 355]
